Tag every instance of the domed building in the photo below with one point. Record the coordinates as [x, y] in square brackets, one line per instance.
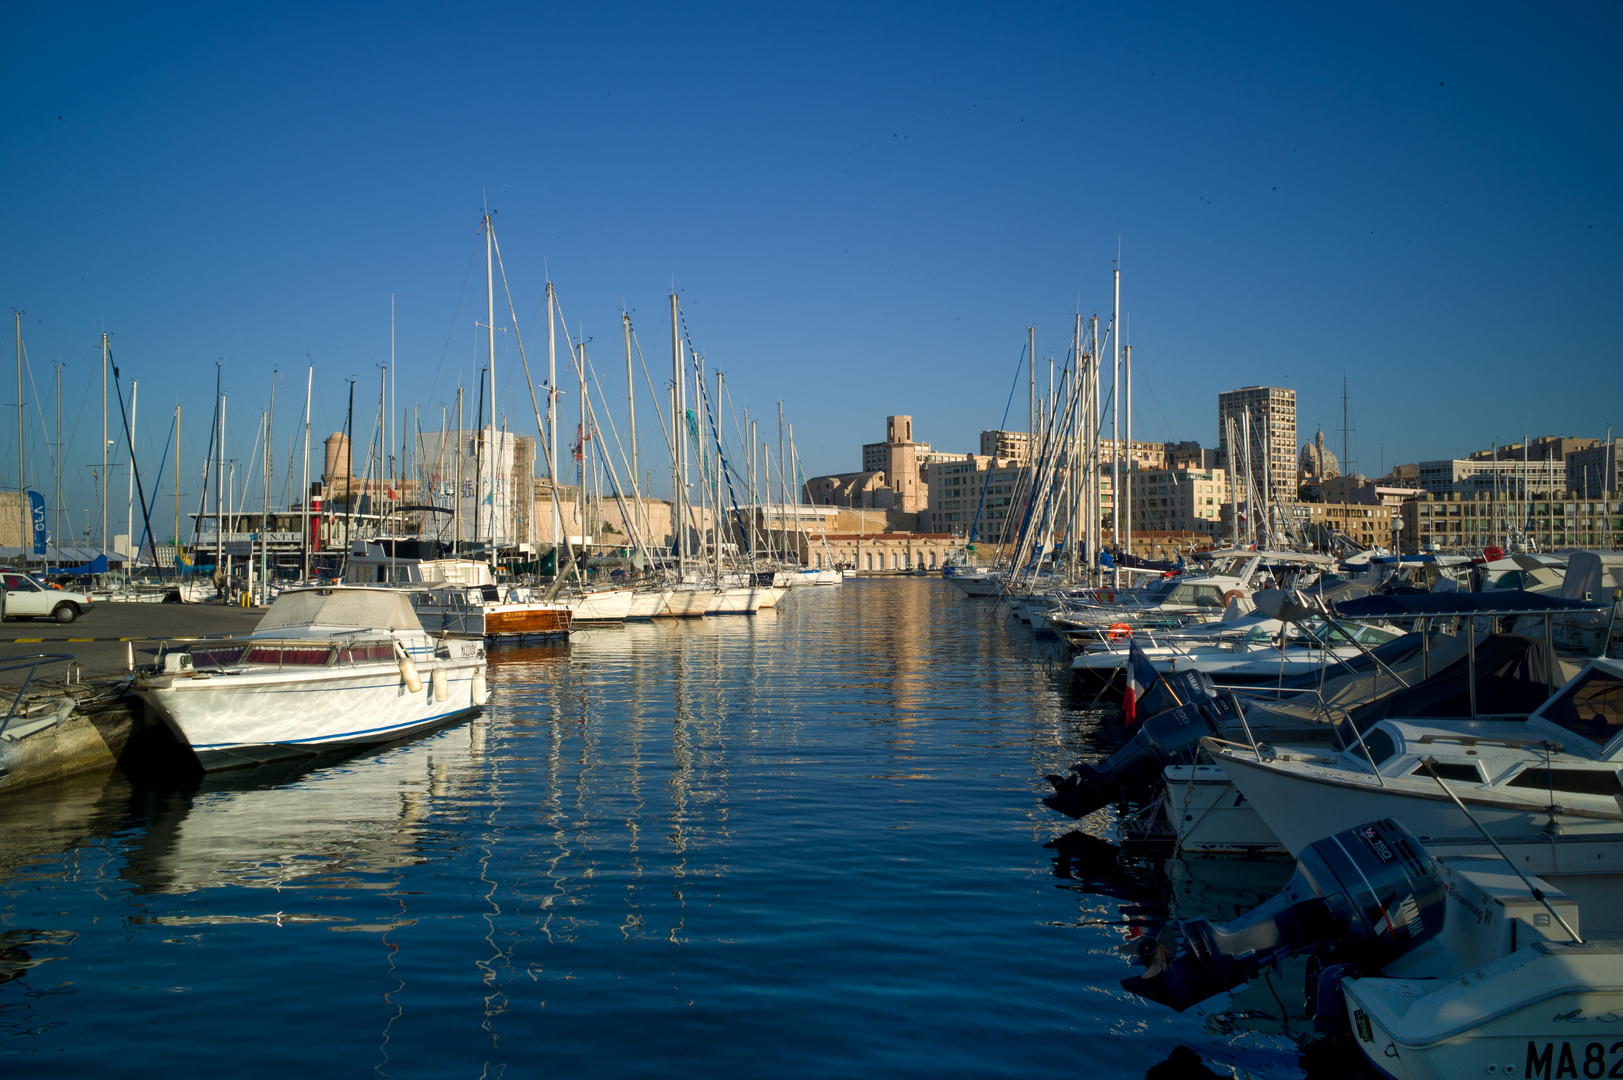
[1316, 464]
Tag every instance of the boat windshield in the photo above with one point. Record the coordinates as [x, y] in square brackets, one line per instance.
[1592, 706]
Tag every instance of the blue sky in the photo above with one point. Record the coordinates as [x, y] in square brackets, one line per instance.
[863, 207]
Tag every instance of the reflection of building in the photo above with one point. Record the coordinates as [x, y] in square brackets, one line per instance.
[1270, 412]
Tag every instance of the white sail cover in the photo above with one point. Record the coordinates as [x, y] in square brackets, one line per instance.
[363, 609]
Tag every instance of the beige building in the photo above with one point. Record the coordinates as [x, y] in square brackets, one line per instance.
[1012, 446]
[1178, 500]
[1467, 525]
[886, 552]
[1271, 411]
[1368, 524]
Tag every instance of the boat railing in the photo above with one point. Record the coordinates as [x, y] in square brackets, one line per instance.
[33, 663]
[220, 653]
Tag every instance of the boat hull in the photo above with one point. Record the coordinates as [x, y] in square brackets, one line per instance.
[527, 620]
[250, 718]
[1210, 816]
[1549, 1010]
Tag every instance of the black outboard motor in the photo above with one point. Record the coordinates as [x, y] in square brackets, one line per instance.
[1165, 739]
[1364, 896]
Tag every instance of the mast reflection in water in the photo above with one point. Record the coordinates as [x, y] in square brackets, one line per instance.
[805, 843]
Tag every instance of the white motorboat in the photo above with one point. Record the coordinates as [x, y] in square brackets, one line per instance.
[326, 668]
[1439, 968]
[1547, 787]
[455, 596]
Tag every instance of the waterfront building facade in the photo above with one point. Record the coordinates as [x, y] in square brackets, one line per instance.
[1467, 525]
[1494, 478]
[1592, 471]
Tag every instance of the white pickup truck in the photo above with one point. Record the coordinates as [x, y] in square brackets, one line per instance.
[27, 598]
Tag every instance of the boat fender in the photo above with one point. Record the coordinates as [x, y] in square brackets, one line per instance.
[442, 685]
[480, 694]
[408, 670]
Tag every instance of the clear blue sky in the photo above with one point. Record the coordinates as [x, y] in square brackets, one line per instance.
[863, 207]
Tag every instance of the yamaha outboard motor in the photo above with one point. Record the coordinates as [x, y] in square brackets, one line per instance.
[1165, 739]
[1364, 896]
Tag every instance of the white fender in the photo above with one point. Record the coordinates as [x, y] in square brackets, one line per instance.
[480, 694]
[408, 670]
[442, 685]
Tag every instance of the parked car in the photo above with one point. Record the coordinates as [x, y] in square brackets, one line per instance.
[27, 598]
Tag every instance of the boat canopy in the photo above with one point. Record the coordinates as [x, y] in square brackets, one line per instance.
[1592, 575]
[362, 609]
[1501, 602]
[1306, 557]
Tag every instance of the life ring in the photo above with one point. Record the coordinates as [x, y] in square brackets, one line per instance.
[1118, 631]
[1231, 595]
[1106, 596]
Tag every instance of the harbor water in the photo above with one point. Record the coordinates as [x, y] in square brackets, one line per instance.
[806, 843]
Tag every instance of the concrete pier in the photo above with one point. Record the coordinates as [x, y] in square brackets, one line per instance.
[79, 718]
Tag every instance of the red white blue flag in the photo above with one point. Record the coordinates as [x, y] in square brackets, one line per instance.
[1140, 677]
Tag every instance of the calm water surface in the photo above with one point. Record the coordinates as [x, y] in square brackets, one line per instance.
[806, 843]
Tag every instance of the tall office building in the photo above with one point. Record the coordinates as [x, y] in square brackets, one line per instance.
[1272, 412]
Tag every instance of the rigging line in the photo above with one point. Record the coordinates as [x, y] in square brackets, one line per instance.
[653, 395]
[157, 486]
[540, 427]
[974, 526]
[146, 516]
[456, 317]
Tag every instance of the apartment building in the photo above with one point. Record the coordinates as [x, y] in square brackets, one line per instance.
[1454, 523]
[1503, 478]
[1271, 412]
[1178, 500]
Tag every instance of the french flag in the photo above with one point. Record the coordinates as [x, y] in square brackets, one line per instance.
[1140, 677]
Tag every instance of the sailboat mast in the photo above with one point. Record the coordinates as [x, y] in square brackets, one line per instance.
[129, 501]
[22, 484]
[1031, 372]
[552, 422]
[456, 478]
[1115, 420]
[679, 460]
[490, 327]
[103, 433]
[56, 529]
[1127, 492]
[176, 537]
[304, 501]
[264, 502]
[631, 411]
[219, 478]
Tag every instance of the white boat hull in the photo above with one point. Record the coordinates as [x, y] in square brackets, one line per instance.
[1548, 1010]
[253, 717]
[1210, 816]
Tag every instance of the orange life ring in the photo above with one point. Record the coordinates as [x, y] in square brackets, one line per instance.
[1232, 595]
[1118, 631]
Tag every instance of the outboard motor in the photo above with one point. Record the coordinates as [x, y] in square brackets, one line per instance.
[1164, 739]
[1363, 897]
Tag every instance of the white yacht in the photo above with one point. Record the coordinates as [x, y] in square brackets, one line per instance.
[327, 668]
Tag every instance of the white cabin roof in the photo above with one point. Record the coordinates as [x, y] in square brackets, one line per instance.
[343, 607]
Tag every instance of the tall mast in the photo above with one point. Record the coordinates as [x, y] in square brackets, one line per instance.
[219, 476]
[264, 503]
[678, 428]
[1031, 372]
[631, 410]
[304, 501]
[1127, 492]
[552, 424]
[176, 538]
[103, 436]
[1115, 419]
[456, 479]
[490, 326]
[56, 529]
[22, 484]
[129, 502]
[394, 402]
